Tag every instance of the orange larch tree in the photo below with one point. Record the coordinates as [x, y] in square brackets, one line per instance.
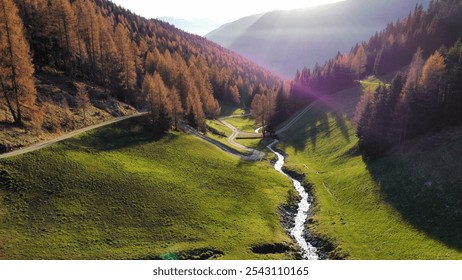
[16, 69]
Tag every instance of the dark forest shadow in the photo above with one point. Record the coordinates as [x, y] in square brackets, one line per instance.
[307, 130]
[425, 187]
[6, 124]
[315, 124]
[125, 134]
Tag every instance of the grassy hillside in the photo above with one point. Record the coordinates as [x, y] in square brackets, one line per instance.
[403, 206]
[120, 193]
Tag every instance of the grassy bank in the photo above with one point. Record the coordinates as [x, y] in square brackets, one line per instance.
[229, 110]
[121, 193]
[403, 206]
[256, 144]
[245, 124]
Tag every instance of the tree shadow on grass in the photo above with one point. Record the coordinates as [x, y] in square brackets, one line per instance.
[341, 122]
[352, 152]
[314, 125]
[125, 134]
[425, 187]
[307, 130]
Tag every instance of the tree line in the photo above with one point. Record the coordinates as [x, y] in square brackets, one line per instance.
[146, 63]
[426, 97]
[385, 52]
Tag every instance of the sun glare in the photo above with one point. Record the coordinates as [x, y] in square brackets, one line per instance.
[216, 10]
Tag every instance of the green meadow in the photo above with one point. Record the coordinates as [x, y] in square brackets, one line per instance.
[120, 192]
[245, 123]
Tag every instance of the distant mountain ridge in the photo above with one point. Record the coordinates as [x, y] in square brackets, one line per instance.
[284, 41]
[199, 26]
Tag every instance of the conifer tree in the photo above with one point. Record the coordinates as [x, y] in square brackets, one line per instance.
[16, 69]
[415, 70]
[234, 94]
[258, 108]
[89, 34]
[360, 61]
[126, 62]
[177, 108]
[196, 116]
[432, 73]
[365, 111]
[83, 100]
[63, 22]
[35, 16]
[150, 62]
[160, 105]
[107, 51]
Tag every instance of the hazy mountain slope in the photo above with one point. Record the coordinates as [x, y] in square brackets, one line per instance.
[226, 34]
[199, 26]
[286, 40]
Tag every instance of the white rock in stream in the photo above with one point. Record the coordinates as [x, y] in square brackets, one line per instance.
[298, 231]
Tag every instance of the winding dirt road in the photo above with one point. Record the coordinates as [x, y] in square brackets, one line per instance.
[253, 155]
[47, 143]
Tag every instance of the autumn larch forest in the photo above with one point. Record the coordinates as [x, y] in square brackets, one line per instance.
[147, 64]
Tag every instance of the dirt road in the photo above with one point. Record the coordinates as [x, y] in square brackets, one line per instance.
[47, 143]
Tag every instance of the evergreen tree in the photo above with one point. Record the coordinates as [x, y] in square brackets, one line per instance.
[365, 112]
[453, 92]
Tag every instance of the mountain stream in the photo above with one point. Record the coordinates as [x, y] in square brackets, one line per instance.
[308, 251]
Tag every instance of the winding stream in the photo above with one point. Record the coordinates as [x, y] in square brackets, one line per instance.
[308, 251]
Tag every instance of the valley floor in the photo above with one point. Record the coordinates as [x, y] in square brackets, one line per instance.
[120, 192]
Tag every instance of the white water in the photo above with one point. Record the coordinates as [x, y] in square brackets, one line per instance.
[308, 251]
[259, 129]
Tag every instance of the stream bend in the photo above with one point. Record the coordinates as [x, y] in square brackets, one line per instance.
[308, 251]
